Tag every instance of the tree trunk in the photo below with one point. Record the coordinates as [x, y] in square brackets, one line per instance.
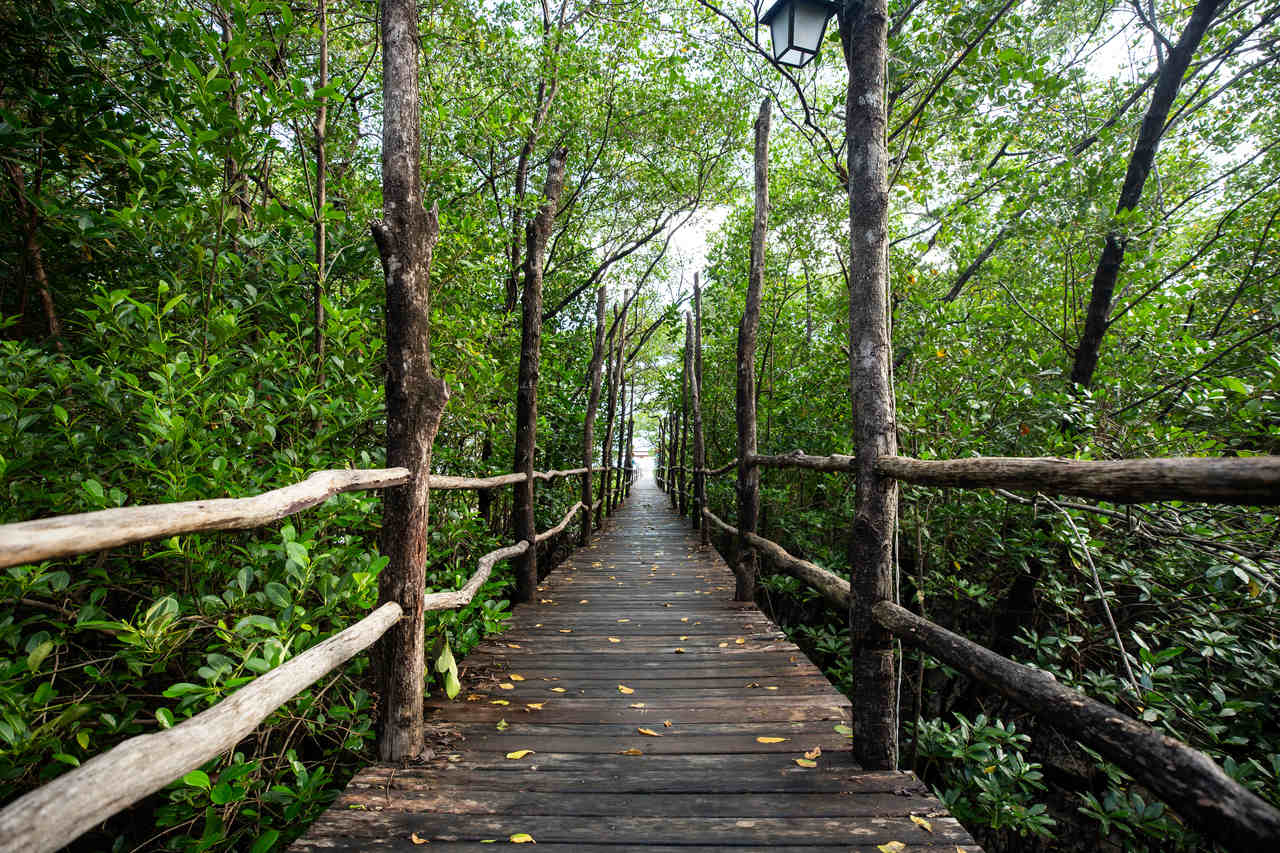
[34, 254]
[875, 728]
[416, 398]
[747, 564]
[616, 488]
[589, 425]
[322, 180]
[684, 418]
[537, 233]
[1140, 161]
[631, 434]
[610, 406]
[699, 441]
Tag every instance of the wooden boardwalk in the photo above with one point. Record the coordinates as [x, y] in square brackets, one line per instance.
[658, 715]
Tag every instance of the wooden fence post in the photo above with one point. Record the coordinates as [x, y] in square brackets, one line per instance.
[611, 398]
[875, 718]
[684, 419]
[536, 234]
[631, 434]
[406, 237]
[747, 563]
[589, 425]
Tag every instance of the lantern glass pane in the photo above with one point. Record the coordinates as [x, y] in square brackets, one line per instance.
[780, 34]
[810, 23]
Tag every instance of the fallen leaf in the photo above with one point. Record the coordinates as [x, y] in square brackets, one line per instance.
[740, 641]
[596, 565]
[537, 706]
[519, 753]
[666, 723]
[632, 751]
[806, 762]
[813, 753]
[546, 600]
[614, 640]
[416, 840]
[503, 725]
[514, 677]
[682, 639]
[649, 732]
[513, 645]
[566, 630]
[499, 702]
[557, 690]
[474, 697]
[893, 846]
[679, 651]
[842, 729]
[774, 740]
[684, 618]
[522, 838]
[723, 646]
[637, 704]
[583, 601]
[507, 685]
[771, 687]
[623, 620]
[922, 823]
[622, 688]
[753, 684]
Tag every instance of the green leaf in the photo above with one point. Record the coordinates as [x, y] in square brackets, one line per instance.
[60, 413]
[222, 794]
[94, 488]
[451, 684]
[278, 594]
[38, 654]
[197, 779]
[164, 717]
[265, 841]
[445, 662]
[1233, 384]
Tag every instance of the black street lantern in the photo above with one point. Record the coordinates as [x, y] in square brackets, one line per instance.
[796, 28]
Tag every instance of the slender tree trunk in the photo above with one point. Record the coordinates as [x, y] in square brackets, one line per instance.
[747, 564]
[589, 425]
[537, 233]
[1097, 317]
[875, 730]
[699, 441]
[685, 479]
[416, 398]
[616, 497]
[628, 474]
[610, 405]
[322, 178]
[484, 497]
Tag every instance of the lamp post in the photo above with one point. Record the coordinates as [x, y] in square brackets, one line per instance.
[864, 27]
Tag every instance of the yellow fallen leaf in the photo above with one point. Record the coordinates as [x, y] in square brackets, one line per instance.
[522, 838]
[499, 702]
[684, 618]
[806, 762]
[682, 639]
[514, 677]
[583, 601]
[557, 690]
[513, 645]
[771, 687]
[614, 640]
[546, 600]
[474, 697]
[679, 651]
[596, 565]
[813, 753]
[537, 706]
[637, 704]
[622, 688]
[740, 641]
[723, 646]
[773, 740]
[623, 620]
[893, 846]
[519, 753]
[632, 751]
[566, 630]
[922, 823]
[416, 840]
[666, 723]
[649, 732]
[507, 685]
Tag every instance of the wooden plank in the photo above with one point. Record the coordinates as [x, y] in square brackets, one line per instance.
[703, 784]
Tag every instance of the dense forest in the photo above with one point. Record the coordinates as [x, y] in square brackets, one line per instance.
[1084, 262]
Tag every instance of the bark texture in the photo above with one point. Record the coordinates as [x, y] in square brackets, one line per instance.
[699, 441]
[875, 723]
[747, 565]
[320, 228]
[1097, 317]
[416, 398]
[537, 233]
[589, 425]
[1183, 777]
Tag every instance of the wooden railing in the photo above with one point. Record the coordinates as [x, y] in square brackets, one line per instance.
[51, 816]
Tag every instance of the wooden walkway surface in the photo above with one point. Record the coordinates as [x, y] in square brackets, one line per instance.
[656, 713]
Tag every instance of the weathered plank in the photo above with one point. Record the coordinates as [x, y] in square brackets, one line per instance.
[701, 783]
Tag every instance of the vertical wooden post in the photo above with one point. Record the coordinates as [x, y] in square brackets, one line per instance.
[536, 234]
[629, 473]
[684, 419]
[673, 466]
[875, 717]
[659, 455]
[320, 226]
[606, 453]
[699, 439]
[406, 237]
[589, 426]
[747, 564]
[615, 493]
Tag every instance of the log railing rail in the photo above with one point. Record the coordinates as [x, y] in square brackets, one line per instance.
[51, 816]
[1184, 777]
